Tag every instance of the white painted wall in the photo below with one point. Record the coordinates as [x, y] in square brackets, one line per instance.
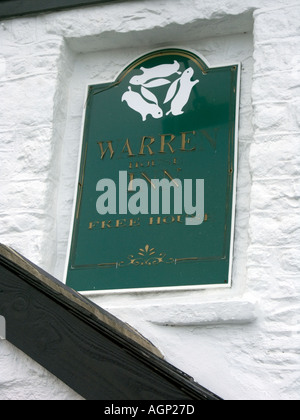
[241, 343]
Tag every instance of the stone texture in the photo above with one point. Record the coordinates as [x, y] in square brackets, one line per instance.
[45, 64]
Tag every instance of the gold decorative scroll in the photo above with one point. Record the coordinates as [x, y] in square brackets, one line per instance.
[147, 257]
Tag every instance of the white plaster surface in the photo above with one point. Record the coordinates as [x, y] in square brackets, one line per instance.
[243, 342]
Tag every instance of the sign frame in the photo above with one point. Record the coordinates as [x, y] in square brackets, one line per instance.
[234, 182]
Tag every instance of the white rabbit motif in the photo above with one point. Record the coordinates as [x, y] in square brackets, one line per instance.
[158, 72]
[145, 102]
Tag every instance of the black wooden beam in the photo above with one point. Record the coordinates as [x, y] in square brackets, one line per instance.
[94, 353]
[13, 8]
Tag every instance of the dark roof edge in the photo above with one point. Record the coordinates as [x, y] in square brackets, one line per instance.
[65, 295]
[18, 274]
[15, 8]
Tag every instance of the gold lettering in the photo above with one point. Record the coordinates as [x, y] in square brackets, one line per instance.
[185, 141]
[106, 224]
[163, 143]
[92, 225]
[171, 178]
[143, 145]
[145, 164]
[148, 179]
[129, 150]
[133, 222]
[129, 223]
[121, 223]
[169, 219]
[109, 147]
[152, 220]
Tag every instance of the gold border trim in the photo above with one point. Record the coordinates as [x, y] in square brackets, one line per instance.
[231, 142]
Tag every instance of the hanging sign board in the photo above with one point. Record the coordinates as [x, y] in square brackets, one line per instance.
[156, 189]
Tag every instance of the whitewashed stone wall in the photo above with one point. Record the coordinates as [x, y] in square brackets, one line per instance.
[241, 343]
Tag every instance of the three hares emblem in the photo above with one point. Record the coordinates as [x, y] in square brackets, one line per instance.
[145, 102]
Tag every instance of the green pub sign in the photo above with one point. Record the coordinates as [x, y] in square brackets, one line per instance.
[156, 189]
